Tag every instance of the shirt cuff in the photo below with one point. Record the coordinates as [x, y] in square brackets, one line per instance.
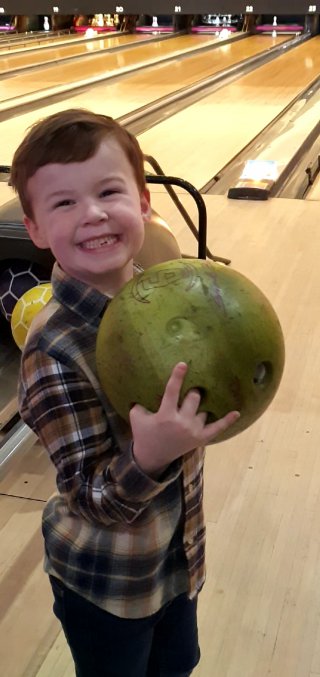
[133, 484]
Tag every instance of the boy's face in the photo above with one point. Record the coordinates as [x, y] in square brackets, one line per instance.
[91, 215]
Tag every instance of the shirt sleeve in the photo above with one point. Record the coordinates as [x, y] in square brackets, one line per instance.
[96, 479]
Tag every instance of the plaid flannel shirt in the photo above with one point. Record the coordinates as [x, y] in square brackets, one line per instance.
[124, 541]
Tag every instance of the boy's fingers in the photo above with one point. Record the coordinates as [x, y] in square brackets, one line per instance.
[172, 391]
[190, 404]
[137, 409]
[213, 429]
[202, 416]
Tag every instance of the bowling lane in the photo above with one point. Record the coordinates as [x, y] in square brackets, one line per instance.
[141, 88]
[100, 65]
[199, 141]
[25, 43]
[39, 56]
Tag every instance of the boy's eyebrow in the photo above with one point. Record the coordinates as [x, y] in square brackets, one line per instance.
[106, 179]
[57, 193]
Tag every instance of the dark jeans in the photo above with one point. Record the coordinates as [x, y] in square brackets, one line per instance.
[103, 645]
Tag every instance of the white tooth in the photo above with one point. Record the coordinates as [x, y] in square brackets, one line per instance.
[98, 242]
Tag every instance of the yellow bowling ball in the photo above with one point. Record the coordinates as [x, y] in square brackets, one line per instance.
[25, 310]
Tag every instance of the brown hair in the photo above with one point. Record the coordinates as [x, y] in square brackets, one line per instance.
[72, 135]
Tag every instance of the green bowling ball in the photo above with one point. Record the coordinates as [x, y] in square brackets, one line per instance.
[202, 313]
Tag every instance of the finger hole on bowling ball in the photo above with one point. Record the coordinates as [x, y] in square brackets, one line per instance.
[211, 416]
[263, 374]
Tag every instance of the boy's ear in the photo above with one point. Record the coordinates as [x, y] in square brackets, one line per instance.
[37, 235]
[145, 205]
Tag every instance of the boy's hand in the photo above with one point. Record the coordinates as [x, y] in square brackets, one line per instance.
[160, 438]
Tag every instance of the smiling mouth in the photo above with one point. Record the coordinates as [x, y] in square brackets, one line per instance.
[99, 242]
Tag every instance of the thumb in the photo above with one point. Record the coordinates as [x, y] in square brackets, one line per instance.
[137, 409]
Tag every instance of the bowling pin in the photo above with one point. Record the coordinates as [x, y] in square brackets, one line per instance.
[154, 22]
[46, 24]
[217, 21]
[275, 21]
[224, 33]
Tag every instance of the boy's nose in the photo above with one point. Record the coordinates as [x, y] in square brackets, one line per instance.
[95, 213]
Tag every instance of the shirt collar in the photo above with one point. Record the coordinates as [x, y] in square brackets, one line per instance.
[81, 299]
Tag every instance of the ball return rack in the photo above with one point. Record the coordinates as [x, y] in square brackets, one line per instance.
[199, 233]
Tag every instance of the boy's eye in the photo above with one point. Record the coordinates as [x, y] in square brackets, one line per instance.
[108, 191]
[63, 203]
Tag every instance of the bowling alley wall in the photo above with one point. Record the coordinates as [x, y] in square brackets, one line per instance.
[157, 7]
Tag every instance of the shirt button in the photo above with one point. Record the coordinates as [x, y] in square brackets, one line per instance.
[190, 487]
[190, 541]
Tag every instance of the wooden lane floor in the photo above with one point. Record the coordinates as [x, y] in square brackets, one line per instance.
[27, 485]
[197, 142]
[138, 89]
[105, 65]
[69, 49]
[259, 611]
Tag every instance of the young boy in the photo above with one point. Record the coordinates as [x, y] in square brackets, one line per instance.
[124, 535]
